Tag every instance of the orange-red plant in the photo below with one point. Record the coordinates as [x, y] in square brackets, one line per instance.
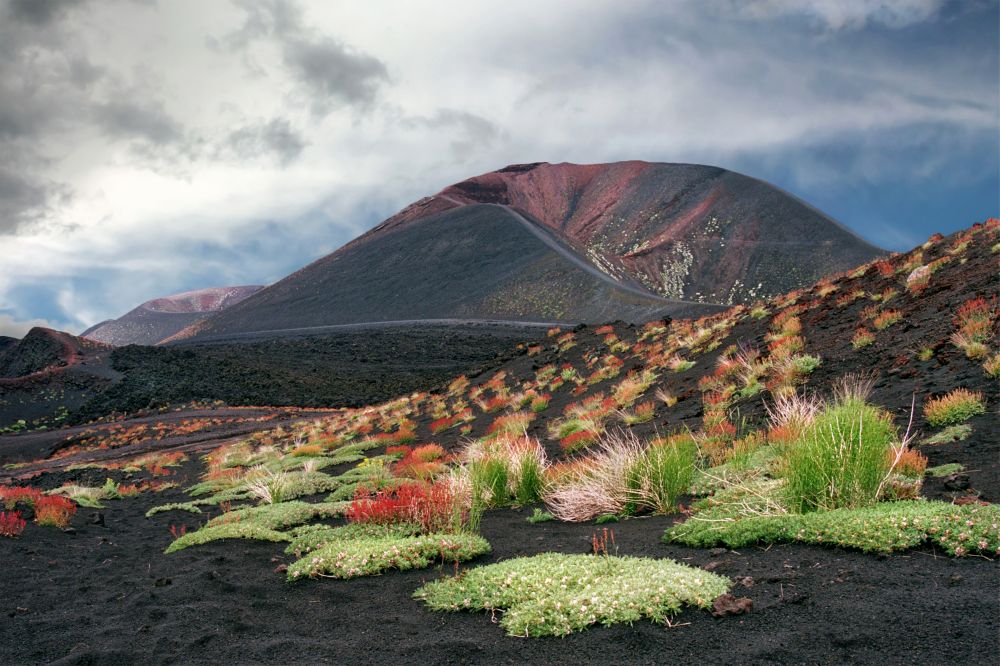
[12, 496]
[11, 523]
[54, 510]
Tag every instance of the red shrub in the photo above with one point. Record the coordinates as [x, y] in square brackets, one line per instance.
[911, 463]
[422, 462]
[12, 496]
[604, 330]
[443, 424]
[885, 268]
[578, 440]
[11, 524]
[54, 510]
[429, 505]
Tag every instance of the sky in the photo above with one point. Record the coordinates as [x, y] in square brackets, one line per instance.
[149, 148]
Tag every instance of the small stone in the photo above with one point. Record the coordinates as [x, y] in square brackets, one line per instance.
[957, 481]
[727, 604]
[162, 582]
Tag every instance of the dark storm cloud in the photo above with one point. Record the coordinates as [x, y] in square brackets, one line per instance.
[332, 73]
[274, 139]
[465, 132]
[22, 199]
[131, 120]
[40, 12]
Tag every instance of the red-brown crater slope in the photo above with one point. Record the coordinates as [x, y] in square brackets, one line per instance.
[567, 242]
[160, 318]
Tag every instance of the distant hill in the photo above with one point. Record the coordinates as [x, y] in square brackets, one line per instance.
[160, 318]
[573, 243]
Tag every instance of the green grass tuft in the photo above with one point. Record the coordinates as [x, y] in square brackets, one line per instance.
[841, 459]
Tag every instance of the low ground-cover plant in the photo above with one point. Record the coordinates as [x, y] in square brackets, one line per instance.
[435, 507]
[282, 515]
[944, 470]
[238, 530]
[954, 407]
[954, 433]
[554, 594]
[539, 516]
[310, 537]
[885, 527]
[367, 556]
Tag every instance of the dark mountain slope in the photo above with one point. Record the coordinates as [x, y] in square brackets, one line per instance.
[49, 372]
[160, 318]
[472, 262]
[639, 238]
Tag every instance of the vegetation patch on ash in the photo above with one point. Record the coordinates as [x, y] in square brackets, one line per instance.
[806, 483]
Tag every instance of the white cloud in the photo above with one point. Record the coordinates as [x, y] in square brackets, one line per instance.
[845, 14]
[15, 328]
[209, 141]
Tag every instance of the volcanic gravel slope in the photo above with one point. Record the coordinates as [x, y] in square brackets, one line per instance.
[635, 240]
[160, 318]
[50, 371]
[105, 593]
[471, 262]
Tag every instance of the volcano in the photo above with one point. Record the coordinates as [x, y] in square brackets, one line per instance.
[160, 318]
[563, 242]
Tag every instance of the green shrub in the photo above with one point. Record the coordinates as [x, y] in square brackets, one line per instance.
[528, 482]
[367, 556]
[554, 594]
[489, 478]
[176, 506]
[666, 472]
[841, 458]
[227, 531]
[540, 516]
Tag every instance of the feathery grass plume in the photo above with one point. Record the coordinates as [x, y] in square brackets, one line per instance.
[599, 483]
[268, 486]
[974, 321]
[623, 475]
[666, 397]
[992, 366]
